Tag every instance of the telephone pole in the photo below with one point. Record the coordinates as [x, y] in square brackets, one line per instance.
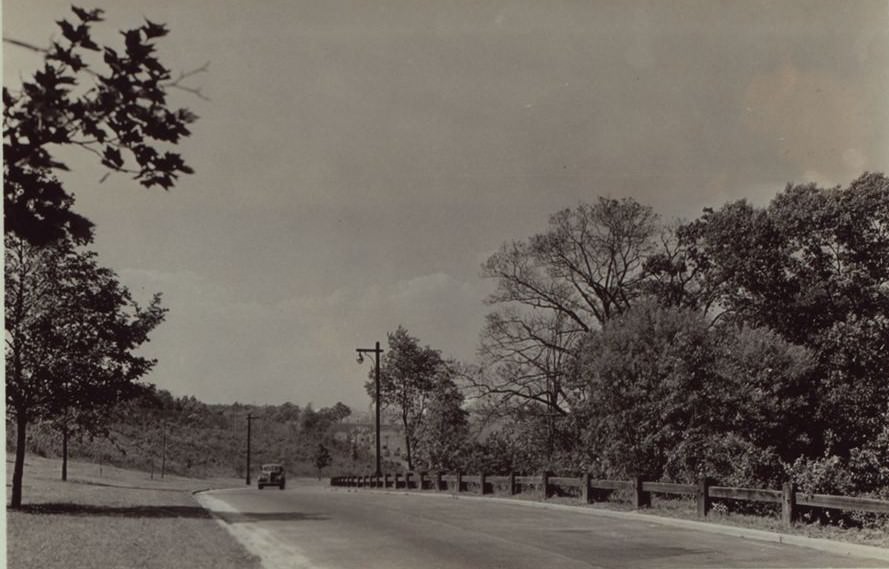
[163, 448]
[250, 419]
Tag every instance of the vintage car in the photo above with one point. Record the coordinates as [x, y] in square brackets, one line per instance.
[271, 475]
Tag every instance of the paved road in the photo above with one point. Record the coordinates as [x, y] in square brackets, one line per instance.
[327, 528]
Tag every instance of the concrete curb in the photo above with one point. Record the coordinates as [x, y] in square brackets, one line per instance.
[829, 546]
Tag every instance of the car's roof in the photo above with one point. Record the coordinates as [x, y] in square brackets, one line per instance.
[271, 465]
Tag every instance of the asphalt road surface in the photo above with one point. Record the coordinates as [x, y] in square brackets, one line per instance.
[326, 528]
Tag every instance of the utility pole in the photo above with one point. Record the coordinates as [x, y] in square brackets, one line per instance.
[376, 352]
[250, 419]
[163, 448]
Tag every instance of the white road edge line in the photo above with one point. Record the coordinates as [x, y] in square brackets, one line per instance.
[272, 552]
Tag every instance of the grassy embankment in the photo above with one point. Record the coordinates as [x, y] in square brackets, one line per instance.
[110, 517]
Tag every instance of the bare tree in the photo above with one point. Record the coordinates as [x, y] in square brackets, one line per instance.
[587, 268]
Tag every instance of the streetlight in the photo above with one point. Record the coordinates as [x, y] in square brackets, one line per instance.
[376, 351]
[250, 419]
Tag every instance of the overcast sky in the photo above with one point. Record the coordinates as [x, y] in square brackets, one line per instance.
[358, 160]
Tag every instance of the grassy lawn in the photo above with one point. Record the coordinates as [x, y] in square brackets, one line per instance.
[108, 517]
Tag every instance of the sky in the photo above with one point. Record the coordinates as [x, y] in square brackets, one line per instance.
[357, 161]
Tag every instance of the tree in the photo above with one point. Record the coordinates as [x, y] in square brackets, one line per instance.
[72, 332]
[445, 433]
[671, 395]
[337, 413]
[408, 374]
[321, 459]
[587, 268]
[115, 108]
[814, 267]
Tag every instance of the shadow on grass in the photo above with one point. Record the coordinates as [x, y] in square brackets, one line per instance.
[126, 486]
[69, 509]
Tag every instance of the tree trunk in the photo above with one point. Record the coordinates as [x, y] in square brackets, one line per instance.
[21, 421]
[65, 453]
[407, 448]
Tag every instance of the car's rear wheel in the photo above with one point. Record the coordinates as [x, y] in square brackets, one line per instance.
[260, 486]
[281, 486]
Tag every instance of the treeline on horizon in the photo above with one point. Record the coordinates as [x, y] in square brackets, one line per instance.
[749, 346]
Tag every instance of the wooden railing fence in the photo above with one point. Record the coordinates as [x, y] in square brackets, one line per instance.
[590, 490]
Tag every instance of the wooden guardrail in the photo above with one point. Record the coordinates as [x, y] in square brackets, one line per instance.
[545, 485]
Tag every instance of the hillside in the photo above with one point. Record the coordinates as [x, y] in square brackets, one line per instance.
[187, 437]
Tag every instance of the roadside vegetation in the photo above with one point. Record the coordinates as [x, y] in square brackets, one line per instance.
[748, 346]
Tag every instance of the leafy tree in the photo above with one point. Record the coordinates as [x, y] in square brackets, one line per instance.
[676, 275]
[337, 413]
[72, 331]
[110, 101]
[322, 458]
[445, 431]
[814, 267]
[408, 374]
[672, 396]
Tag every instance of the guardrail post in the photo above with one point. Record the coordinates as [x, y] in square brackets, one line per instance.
[482, 480]
[395, 482]
[422, 481]
[459, 481]
[788, 504]
[544, 485]
[585, 488]
[703, 497]
[438, 487]
[641, 499]
[512, 486]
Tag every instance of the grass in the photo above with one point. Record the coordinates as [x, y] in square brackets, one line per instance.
[111, 517]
